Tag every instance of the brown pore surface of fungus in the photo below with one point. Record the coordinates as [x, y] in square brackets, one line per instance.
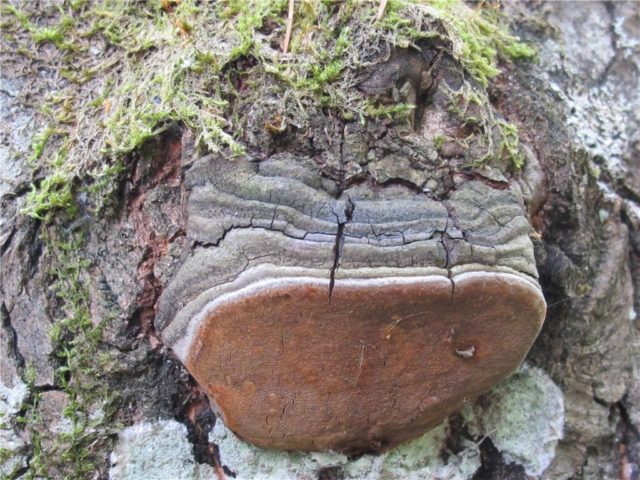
[379, 364]
[350, 293]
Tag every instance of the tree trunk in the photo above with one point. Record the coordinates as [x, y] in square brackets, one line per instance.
[415, 161]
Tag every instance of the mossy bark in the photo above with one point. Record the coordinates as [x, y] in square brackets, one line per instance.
[88, 349]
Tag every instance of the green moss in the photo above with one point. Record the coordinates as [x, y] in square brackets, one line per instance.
[498, 137]
[477, 35]
[38, 460]
[47, 34]
[56, 34]
[510, 144]
[169, 64]
[20, 16]
[395, 111]
[76, 341]
[396, 20]
[248, 16]
[76, 346]
[326, 74]
[39, 141]
[54, 193]
[519, 51]
[30, 375]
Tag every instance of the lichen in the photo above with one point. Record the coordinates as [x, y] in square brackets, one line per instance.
[524, 417]
[13, 449]
[417, 459]
[156, 450]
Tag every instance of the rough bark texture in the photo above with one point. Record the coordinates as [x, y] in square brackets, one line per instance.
[577, 114]
[590, 341]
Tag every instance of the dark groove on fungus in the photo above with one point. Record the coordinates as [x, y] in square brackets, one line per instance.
[337, 248]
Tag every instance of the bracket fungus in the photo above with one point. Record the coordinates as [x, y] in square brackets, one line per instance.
[350, 321]
[352, 285]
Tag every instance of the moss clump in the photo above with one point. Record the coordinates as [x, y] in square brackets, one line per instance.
[499, 140]
[510, 143]
[130, 69]
[438, 141]
[54, 193]
[74, 452]
[477, 35]
[247, 17]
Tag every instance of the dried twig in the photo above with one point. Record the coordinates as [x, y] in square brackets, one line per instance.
[287, 37]
[381, 9]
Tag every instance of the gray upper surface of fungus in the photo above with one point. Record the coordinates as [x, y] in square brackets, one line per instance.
[251, 221]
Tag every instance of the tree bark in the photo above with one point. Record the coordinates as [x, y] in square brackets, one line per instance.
[577, 115]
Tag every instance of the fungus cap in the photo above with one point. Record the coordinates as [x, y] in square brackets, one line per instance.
[349, 322]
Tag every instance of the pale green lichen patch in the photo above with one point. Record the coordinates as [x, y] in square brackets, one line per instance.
[418, 459]
[524, 417]
[156, 450]
[13, 449]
